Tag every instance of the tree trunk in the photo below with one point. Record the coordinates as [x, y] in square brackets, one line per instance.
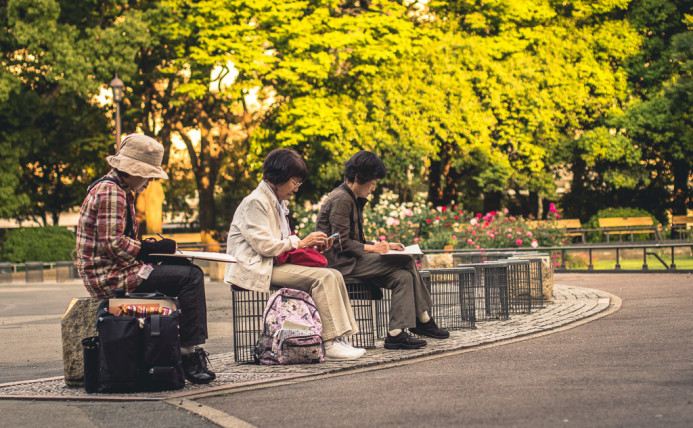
[492, 201]
[451, 179]
[533, 208]
[681, 170]
[207, 212]
[435, 192]
[206, 171]
[442, 188]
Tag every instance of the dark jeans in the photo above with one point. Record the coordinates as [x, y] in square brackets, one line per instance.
[186, 282]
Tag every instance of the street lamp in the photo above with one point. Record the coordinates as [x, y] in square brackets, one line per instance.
[117, 87]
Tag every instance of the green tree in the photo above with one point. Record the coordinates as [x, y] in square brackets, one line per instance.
[660, 123]
[53, 134]
[545, 72]
[640, 155]
[347, 79]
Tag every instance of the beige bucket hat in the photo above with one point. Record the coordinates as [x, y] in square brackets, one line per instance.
[140, 156]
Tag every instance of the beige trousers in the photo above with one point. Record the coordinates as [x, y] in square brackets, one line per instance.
[326, 287]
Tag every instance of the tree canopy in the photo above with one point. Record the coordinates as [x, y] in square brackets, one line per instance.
[483, 103]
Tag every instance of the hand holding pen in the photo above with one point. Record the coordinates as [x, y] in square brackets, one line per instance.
[177, 249]
[396, 246]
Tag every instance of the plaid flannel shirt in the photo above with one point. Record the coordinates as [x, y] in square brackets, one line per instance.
[105, 255]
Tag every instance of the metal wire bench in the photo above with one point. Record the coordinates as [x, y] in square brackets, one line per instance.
[490, 290]
[519, 294]
[248, 307]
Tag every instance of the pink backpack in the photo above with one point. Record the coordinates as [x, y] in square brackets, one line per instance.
[292, 330]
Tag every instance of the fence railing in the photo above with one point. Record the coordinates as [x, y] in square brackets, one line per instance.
[652, 255]
[562, 263]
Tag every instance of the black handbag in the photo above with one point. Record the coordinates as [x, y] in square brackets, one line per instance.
[137, 349]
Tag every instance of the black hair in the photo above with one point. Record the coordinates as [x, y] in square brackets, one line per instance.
[363, 167]
[283, 164]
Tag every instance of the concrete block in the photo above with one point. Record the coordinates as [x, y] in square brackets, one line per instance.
[547, 277]
[436, 261]
[217, 271]
[78, 322]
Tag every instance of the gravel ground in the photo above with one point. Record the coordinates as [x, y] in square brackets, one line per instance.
[570, 304]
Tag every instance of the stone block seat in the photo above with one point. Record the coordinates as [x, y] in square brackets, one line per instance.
[78, 322]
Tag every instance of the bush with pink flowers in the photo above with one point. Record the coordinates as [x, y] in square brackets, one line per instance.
[436, 227]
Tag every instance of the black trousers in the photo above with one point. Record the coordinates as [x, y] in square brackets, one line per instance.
[185, 282]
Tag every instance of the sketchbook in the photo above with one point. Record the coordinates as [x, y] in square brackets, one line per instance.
[200, 255]
[412, 250]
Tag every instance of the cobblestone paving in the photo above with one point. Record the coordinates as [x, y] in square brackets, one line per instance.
[570, 304]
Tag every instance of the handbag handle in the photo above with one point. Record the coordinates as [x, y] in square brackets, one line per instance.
[153, 295]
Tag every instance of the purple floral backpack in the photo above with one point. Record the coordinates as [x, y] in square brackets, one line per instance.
[292, 330]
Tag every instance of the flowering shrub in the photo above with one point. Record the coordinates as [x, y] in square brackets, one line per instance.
[436, 227]
[495, 229]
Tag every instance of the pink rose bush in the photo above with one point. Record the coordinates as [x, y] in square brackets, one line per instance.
[434, 227]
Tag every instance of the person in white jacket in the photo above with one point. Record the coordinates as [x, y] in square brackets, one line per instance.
[260, 232]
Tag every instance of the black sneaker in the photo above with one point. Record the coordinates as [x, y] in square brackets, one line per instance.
[204, 362]
[192, 367]
[403, 341]
[430, 329]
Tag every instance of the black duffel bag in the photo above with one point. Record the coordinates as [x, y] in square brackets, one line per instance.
[137, 349]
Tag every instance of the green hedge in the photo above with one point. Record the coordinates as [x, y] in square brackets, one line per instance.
[44, 244]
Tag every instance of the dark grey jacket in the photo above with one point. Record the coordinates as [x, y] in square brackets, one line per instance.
[343, 213]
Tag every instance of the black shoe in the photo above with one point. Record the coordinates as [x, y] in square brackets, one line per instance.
[204, 362]
[403, 341]
[192, 367]
[429, 329]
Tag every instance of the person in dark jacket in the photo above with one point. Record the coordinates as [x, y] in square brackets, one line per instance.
[359, 259]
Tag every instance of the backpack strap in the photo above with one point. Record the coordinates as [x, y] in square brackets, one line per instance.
[129, 229]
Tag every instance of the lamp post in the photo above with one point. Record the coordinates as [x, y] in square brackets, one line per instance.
[117, 87]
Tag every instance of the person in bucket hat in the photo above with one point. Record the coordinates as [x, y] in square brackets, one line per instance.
[139, 155]
[109, 255]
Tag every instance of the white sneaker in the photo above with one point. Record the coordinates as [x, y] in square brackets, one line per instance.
[344, 341]
[338, 351]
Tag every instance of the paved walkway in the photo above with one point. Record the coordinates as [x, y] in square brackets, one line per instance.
[570, 304]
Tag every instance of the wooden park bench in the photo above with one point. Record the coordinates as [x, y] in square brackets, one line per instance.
[628, 225]
[190, 241]
[573, 228]
[681, 224]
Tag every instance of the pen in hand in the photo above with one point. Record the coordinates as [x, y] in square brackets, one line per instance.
[177, 249]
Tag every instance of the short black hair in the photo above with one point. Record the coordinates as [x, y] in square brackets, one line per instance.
[283, 164]
[363, 167]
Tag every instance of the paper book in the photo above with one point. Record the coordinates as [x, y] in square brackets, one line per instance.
[412, 250]
[200, 255]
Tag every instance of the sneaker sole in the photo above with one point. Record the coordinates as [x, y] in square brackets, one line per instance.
[343, 358]
[428, 335]
[354, 356]
[403, 346]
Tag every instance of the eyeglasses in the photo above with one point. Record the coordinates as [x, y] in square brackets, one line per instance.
[297, 184]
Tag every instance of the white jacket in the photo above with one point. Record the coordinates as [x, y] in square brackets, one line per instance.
[255, 239]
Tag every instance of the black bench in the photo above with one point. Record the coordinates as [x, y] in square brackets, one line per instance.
[248, 307]
[451, 290]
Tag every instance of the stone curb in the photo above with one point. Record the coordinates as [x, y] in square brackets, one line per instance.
[570, 304]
